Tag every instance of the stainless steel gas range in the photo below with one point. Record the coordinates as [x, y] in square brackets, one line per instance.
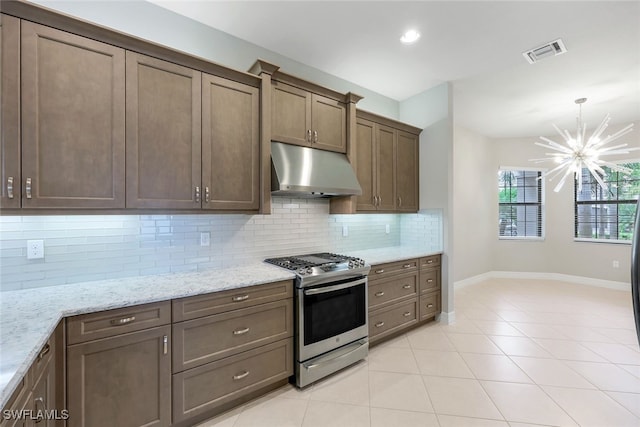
[331, 313]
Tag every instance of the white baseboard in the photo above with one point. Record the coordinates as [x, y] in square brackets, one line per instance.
[446, 317]
[609, 284]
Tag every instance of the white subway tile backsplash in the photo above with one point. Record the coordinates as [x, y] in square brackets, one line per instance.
[94, 247]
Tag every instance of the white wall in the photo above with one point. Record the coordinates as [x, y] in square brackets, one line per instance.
[475, 214]
[558, 253]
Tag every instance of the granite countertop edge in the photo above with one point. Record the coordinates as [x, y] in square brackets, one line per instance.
[29, 317]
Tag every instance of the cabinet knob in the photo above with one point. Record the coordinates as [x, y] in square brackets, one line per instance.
[27, 188]
[10, 187]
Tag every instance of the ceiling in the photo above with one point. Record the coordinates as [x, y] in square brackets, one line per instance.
[476, 45]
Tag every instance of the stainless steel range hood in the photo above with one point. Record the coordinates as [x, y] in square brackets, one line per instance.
[306, 172]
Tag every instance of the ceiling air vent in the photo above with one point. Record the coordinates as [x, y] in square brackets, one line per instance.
[553, 48]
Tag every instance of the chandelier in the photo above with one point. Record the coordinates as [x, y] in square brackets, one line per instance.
[581, 152]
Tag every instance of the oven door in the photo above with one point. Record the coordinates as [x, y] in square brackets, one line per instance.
[330, 316]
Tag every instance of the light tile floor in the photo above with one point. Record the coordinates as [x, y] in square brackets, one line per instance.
[521, 353]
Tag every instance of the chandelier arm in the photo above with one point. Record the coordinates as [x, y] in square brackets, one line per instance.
[601, 128]
[597, 177]
[562, 181]
[553, 173]
[615, 147]
[564, 134]
[616, 167]
[611, 138]
[556, 147]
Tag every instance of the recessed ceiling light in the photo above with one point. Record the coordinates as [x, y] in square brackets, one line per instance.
[410, 37]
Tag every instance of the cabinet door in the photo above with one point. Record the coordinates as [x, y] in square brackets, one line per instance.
[328, 124]
[407, 173]
[386, 160]
[10, 111]
[365, 165]
[163, 134]
[44, 396]
[72, 120]
[290, 115]
[230, 145]
[121, 381]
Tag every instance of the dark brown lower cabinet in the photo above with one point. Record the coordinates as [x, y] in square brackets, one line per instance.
[123, 381]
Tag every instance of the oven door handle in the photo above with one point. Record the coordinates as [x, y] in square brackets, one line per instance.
[327, 289]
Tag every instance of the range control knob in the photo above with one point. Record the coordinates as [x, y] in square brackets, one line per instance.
[301, 271]
[351, 263]
[309, 270]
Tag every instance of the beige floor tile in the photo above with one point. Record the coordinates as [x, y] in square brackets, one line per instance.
[538, 330]
[462, 325]
[461, 397]
[381, 417]
[471, 343]
[515, 316]
[442, 363]
[622, 336]
[398, 391]
[582, 334]
[493, 327]
[397, 342]
[632, 369]
[616, 353]
[526, 403]
[495, 367]
[452, 421]
[349, 386]
[227, 419]
[607, 376]
[392, 359]
[519, 346]
[429, 340]
[631, 401]
[569, 350]
[328, 414]
[290, 391]
[273, 412]
[551, 372]
[480, 314]
[592, 407]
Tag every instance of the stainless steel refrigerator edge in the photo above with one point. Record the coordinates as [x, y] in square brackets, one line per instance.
[635, 270]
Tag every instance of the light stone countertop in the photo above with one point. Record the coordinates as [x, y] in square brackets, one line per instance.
[28, 317]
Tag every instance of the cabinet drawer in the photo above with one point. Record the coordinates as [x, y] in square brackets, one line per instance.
[429, 305]
[219, 302]
[430, 261]
[380, 271]
[388, 320]
[204, 340]
[207, 387]
[429, 280]
[87, 327]
[383, 292]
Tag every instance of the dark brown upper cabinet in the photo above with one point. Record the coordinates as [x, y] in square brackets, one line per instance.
[304, 118]
[73, 142]
[230, 145]
[386, 164]
[163, 105]
[10, 194]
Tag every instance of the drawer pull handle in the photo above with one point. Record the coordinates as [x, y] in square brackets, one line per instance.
[430, 281]
[406, 286]
[240, 331]
[429, 261]
[407, 266]
[379, 324]
[379, 294]
[308, 135]
[44, 352]
[240, 376]
[39, 406]
[380, 271]
[165, 344]
[315, 136]
[407, 314]
[429, 305]
[123, 321]
[10, 187]
[207, 194]
[240, 298]
[197, 195]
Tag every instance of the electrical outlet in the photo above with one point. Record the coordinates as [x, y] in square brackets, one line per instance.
[387, 229]
[35, 249]
[616, 264]
[205, 239]
[345, 231]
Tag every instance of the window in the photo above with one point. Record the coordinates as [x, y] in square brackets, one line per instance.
[520, 194]
[607, 214]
